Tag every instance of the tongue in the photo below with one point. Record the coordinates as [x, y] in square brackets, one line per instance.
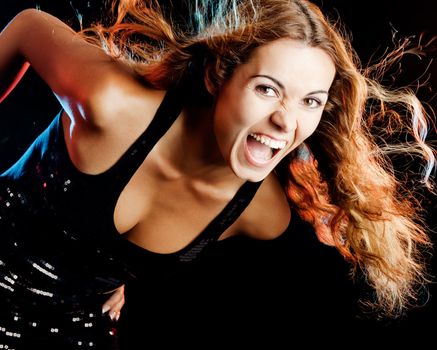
[258, 150]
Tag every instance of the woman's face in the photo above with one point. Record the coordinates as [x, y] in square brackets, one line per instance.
[270, 105]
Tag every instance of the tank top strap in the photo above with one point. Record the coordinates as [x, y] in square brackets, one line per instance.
[131, 160]
[221, 222]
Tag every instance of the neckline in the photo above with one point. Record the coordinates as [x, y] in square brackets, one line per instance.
[211, 232]
[120, 173]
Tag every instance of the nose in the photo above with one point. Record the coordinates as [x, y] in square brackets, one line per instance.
[284, 119]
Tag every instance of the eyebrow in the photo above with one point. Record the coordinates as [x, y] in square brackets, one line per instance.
[277, 82]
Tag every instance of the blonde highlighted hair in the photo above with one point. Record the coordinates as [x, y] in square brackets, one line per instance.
[342, 180]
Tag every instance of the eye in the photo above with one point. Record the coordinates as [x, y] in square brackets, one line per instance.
[267, 90]
[312, 102]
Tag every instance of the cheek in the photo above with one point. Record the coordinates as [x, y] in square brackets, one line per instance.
[224, 132]
[306, 127]
[238, 106]
[230, 119]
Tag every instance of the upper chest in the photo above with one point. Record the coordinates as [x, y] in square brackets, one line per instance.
[165, 215]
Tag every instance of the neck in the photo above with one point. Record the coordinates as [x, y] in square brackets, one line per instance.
[192, 150]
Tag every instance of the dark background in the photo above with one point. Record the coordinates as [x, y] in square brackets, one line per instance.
[255, 290]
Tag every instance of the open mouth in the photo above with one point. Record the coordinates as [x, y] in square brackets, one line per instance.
[262, 149]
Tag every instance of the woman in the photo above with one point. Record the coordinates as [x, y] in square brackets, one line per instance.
[262, 105]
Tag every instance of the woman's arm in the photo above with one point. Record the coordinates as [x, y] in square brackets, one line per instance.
[12, 69]
[74, 69]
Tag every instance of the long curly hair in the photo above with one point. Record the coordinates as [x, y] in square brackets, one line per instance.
[342, 180]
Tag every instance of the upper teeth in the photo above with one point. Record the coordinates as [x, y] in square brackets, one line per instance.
[275, 144]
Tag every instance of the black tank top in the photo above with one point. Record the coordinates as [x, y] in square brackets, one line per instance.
[58, 243]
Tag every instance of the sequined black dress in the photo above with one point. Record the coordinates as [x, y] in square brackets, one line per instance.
[59, 249]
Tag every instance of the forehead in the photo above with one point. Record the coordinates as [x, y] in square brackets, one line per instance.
[291, 61]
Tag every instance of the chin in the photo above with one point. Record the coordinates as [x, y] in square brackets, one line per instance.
[249, 174]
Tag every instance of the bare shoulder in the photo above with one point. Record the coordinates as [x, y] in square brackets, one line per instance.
[122, 96]
[269, 214]
[106, 104]
[114, 117]
[92, 86]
